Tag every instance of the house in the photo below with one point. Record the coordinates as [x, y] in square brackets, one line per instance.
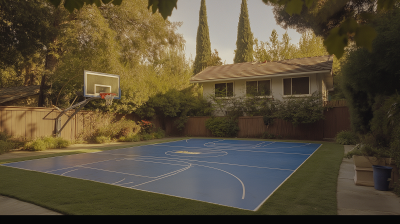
[20, 96]
[276, 80]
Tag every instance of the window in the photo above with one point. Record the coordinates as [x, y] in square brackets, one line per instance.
[296, 86]
[224, 89]
[258, 88]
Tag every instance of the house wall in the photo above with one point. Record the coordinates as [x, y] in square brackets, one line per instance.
[317, 83]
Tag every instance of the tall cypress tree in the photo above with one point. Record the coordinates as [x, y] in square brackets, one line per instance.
[244, 42]
[203, 44]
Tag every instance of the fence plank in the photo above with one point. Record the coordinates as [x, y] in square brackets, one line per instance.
[336, 119]
[31, 123]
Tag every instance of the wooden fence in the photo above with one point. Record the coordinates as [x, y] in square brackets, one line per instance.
[336, 119]
[34, 122]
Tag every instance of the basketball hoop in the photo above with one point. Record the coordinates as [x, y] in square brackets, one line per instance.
[108, 97]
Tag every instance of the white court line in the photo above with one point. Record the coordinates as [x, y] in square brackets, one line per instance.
[92, 168]
[141, 160]
[77, 166]
[259, 145]
[243, 150]
[285, 180]
[213, 142]
[227, 173]
[163, 177]
[184, 160]
[134, 174]
[191, 160]
[171, 153]
[242, 146]
[119, 181]
[68, 172]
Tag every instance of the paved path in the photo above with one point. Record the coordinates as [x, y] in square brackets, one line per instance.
[352, 199]
[362, 200]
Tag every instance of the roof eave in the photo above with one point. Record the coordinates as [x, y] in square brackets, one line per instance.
[258, 77]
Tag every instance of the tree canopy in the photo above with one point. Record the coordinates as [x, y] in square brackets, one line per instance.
[203, 44]
[275, 50]
[244, 41]
[339, 22]
[127, 40]
[367, 75]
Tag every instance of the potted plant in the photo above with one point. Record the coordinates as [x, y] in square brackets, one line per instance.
[367, 156]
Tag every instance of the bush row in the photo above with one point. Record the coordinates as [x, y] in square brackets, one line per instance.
[44, 143]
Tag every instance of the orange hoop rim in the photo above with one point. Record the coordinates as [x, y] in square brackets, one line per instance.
[103, 95]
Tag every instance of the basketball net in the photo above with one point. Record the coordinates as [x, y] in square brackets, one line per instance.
[108, 97]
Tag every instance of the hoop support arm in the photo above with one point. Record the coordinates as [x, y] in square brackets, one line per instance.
[58, 120]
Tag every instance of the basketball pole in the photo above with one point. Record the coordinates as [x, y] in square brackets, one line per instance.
[58, 119]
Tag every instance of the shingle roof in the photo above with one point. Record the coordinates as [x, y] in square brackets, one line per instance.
[260, 69]
[13, 93]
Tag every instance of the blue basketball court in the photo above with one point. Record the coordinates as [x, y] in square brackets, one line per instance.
[235, 173]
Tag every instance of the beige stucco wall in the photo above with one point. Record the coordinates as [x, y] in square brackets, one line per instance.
[317, 83]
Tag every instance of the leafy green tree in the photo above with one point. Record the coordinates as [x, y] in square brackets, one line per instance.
[274, 46]
[203, 44]
[25, 30]
[275, 50]
[176, 104]
[244, 42]
[366, 75]
[129, 41]
[310, 45]
[339, 20]
[215, 60]
[260, 51]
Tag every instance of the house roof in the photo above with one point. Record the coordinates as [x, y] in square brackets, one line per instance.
[14, 93]
[267, 69]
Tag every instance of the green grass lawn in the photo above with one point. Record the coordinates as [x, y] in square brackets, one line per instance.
[311, 190]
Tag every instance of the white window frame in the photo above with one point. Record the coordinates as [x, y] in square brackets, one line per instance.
[226, 94]
[270, 87]
[291, 85]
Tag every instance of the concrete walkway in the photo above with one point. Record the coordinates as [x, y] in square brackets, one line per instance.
[352, 199]
[362, 200]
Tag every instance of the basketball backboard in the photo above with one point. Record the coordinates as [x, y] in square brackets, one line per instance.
[96, 82]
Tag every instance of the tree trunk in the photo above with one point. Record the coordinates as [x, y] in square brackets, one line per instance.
[51, 59]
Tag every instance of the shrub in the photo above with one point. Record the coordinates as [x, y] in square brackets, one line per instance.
[102, 139]
[46, 143]
[117, 129]
[51, 143]
[130, 138]
[347, 138]
[98, 122]
[268, 119]
[146, 136]
[36, 145]
[4, 136]
[222, 127]
[5, 146]
[267, 135]
[145, 126]
[62, 143]
[300, 110]
[159, 134]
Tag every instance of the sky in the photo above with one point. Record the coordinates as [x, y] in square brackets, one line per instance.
[223, 19]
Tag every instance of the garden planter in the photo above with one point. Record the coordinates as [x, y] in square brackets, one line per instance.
[363, 167]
